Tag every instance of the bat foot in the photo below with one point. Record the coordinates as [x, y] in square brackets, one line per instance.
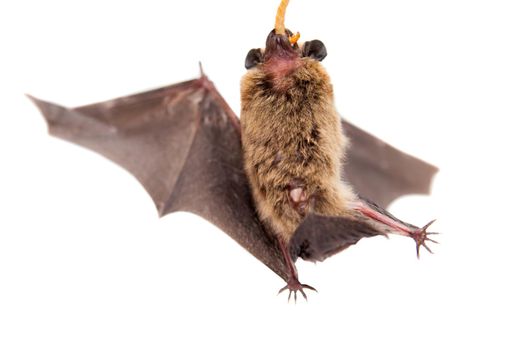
[294, 286]
[420, 235]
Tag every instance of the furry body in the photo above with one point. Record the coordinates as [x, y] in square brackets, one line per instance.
[293, 143]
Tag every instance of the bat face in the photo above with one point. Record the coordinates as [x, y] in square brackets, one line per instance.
[280, 48]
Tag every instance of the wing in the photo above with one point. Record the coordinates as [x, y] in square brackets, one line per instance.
[319, 237]
[182, 143]
[382, 173]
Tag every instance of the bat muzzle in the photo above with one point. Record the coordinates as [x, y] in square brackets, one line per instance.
[278, 46]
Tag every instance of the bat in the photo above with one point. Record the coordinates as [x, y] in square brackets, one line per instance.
[276, 180]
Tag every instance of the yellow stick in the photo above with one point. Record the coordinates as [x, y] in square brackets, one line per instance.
[279, 18]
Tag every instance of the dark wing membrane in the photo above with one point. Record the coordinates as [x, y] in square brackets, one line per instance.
[319, 237]
[182, 143]
[382, 173]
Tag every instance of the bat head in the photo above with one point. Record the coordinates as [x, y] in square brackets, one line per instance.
[283, 47]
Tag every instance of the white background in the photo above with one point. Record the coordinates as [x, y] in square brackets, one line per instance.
[86, 264]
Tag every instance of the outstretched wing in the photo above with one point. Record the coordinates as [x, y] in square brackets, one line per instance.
[382, 173]
[182, 143]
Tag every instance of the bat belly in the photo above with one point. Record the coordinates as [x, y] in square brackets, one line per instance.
[291, 182]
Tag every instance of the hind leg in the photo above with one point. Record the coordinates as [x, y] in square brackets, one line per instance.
[388, 223]
[339, 200]
[292, 285]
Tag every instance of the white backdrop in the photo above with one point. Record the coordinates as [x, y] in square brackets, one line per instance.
[85, 263]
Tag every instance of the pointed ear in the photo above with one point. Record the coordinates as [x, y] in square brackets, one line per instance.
[314, 49]
[253, 58]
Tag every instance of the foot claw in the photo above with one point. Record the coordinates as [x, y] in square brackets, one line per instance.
[431, 240]
[420, 236]
[295, 286]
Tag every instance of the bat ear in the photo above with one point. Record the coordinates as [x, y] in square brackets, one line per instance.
[314, 49]
[253, 58]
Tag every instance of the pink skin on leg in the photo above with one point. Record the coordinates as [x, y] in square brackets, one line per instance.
[380, 216]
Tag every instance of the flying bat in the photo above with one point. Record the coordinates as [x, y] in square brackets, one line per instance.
[277, 180]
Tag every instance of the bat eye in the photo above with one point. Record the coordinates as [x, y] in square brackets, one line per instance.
[253, 58]
[314, 49]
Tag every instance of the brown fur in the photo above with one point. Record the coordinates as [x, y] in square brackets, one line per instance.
[292, 137]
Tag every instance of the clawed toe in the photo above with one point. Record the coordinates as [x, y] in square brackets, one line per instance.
[295, 286]
[420, 236]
